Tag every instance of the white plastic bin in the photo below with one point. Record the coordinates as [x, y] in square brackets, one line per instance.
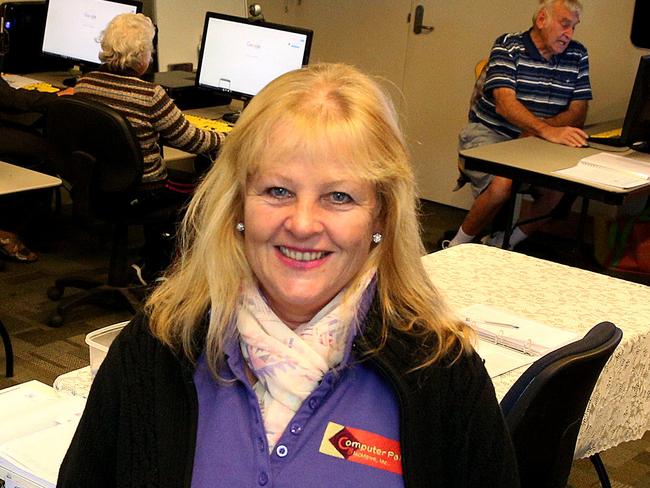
[99, 341]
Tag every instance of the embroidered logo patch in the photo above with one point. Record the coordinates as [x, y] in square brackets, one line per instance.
[361, 446]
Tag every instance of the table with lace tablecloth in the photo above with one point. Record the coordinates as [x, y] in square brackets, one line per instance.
[568, 298]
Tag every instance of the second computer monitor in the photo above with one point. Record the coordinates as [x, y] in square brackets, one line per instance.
[636, 126]
[73, 27]
[239, 57]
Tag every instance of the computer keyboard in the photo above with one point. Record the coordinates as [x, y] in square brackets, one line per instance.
[214, 125]
[608, 138]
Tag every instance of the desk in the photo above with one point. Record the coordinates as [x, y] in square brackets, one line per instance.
[14, 179]
[533, 160]
[571, 299]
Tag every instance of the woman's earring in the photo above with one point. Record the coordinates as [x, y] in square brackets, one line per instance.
[240, 227]
[377, 237]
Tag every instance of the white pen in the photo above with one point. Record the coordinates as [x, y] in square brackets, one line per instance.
[490, 322]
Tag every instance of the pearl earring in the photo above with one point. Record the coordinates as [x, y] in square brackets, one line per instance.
[377, 237]
[240, 227]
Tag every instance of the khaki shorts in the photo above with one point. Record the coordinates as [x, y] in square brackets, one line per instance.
[475, 135]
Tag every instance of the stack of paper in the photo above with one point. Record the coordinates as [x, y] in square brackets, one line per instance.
[36, 427]
[508, 341]
[610, 169]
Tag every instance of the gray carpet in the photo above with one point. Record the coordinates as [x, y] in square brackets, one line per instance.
[44, 353]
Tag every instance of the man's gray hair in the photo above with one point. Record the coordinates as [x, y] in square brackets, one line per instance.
[547, 5]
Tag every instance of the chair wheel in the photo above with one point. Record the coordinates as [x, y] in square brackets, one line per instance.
[54, 293]
[55, 321]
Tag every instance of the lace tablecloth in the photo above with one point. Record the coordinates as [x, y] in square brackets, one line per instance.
[572, 299]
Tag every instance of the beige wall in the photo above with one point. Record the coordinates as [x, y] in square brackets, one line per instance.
[438, 66]
[180, 25]
[604, 29]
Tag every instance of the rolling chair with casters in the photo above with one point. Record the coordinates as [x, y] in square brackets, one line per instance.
[103, 166]
[545, 406]
[9, 351]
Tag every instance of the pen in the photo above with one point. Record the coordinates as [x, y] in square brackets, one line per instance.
[490, 322]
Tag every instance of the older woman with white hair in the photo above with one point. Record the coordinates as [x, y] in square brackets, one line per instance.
[126, 50]
[297, 340]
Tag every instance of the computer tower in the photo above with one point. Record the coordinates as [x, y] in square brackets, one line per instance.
[21, 37]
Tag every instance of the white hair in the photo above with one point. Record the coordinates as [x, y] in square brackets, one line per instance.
[547, 6]
[127, 42]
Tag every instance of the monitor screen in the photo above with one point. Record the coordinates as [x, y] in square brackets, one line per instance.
[239, 57]
[640, 34]
[636, 126]
[73, 27]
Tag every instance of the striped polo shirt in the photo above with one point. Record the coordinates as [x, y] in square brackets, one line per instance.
[545, 87]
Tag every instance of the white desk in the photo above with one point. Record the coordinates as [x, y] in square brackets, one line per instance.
[572, 299]
[534, 160]
[14, 179]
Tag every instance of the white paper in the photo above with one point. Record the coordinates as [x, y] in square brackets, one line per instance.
[36, 427]
[610, 169]
[520, 342]
[17, 81]
[500, 360]
[618, 162]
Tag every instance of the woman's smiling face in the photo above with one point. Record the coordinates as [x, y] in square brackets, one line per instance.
[308, 231]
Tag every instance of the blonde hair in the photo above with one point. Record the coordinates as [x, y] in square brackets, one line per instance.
[127, 42]
[326, 106]
[547, 6]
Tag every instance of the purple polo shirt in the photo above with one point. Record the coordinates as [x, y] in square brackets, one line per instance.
[346, 433]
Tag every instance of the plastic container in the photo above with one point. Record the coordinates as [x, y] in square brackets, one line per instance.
[99, 341]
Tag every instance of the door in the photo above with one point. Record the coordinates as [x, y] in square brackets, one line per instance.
[439, 78]
[429, 74]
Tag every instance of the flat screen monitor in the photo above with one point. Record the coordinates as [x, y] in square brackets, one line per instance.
[636, 126]
[239, 57]
[73, 27]
[640, 33]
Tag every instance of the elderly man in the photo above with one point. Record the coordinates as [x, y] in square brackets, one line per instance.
[537, 83]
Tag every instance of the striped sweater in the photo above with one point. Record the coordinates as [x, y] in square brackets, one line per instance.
[153, 115]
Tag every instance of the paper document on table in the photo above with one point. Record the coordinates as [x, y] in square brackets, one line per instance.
[36, 427]
[514, 331]
[610, 169]
[18, 81]
[515, 334]
[499, 360]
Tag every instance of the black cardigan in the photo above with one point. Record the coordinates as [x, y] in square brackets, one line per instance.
[139, 426]
[22, 108]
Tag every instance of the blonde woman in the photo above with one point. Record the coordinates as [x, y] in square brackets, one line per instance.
[297, 341]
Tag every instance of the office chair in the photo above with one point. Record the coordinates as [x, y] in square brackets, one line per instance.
[9, 352]
[545, 406]
[103, 165]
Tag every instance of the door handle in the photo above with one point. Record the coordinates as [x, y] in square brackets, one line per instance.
[418, 28]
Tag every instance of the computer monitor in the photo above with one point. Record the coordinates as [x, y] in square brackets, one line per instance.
[636, 126]
[73, 27]
[239, 57]
[640, 34]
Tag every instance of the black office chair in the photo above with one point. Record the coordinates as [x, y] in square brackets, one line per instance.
[9, 351]
[102, 165]
[545, 406]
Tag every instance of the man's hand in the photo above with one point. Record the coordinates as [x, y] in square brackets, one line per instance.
[516, 113]
[569, 136]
